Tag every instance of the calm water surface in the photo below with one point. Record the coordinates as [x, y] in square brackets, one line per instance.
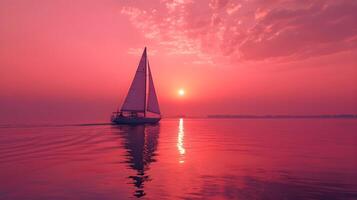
[182, 159]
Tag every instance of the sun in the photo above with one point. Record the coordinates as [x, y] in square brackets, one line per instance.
[181, 92]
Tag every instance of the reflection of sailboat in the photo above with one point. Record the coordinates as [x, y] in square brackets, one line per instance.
[141, 144]
[141, 104]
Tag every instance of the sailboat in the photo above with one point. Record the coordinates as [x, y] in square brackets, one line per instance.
[140, 105]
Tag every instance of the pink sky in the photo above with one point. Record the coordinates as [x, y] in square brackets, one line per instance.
[74, 60]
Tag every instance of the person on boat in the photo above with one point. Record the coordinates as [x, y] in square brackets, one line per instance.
[133, 114]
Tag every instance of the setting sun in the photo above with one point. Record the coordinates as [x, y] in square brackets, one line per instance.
[181, 92]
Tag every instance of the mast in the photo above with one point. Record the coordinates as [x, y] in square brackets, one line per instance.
[146, 75]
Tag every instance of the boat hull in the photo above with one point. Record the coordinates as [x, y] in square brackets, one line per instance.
[135, 120]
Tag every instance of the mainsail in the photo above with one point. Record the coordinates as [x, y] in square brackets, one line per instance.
[153, 104]
[136, 98]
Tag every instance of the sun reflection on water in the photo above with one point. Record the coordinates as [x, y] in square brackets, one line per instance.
[180, 140]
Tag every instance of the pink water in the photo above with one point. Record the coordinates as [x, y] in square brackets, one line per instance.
[182, 159]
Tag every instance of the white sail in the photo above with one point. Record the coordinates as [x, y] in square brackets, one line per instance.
[136, 98]
[153, 104]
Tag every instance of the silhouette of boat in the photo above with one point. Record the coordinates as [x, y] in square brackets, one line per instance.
[140, 105]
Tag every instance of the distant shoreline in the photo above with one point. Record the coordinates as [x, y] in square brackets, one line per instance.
[339, 116]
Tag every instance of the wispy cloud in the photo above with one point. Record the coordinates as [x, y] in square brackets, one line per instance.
[249, 30]
[139, 51]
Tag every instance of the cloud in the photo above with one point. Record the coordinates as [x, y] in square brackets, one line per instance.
[319, 29]
[249, 30]
[167, 27]
[139, 51]
[233, 8]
